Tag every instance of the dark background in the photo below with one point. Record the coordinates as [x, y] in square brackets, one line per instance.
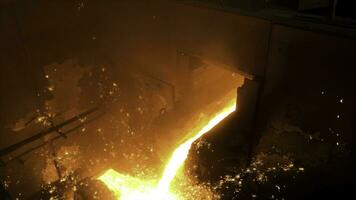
[304, 62]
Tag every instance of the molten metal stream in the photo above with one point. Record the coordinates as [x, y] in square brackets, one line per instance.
[128, 188]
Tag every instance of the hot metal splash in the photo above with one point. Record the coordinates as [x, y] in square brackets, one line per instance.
[129, 188]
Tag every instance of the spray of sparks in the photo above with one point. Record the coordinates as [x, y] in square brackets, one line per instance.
[129, 188]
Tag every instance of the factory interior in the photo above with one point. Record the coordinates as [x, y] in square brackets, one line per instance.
[177, 99]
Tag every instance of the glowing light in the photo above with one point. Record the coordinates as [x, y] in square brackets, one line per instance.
[181, 153]
[129, 188]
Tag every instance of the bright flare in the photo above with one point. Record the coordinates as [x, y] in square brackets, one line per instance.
[181, 153]
[129, 188]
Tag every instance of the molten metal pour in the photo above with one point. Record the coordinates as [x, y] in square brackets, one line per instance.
[129, 188]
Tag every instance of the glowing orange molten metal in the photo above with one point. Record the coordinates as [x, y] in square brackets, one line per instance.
[129, 188]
